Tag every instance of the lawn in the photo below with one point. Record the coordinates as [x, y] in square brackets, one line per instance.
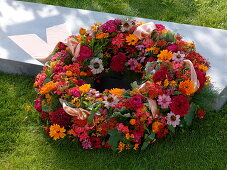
[24, 144]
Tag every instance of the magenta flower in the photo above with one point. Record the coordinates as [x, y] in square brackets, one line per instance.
[164, 101]
[86, 144]
[132, 63]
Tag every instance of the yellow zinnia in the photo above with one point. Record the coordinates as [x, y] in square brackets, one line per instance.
[165, 55]
[131, 39]
[85, 88]
[57, 132]
[186, 87]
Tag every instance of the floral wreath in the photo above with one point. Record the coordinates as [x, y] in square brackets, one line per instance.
[166, 75]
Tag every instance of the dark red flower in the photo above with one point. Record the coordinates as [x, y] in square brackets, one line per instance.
[149, 59]
[202, 79]
[118, 62]
[79, 123]
[162, 133]
[60, 117]
[161, 75]
[96, 142]
[80, 82]
[161, 42]
[110, 26]
[61, 46]
[200, 113]
[38, 104]
[136, 101]
[180, 105]
[85, 52]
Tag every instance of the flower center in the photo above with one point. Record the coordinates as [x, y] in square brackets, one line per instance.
[178, 56]
[126, 25]
[110, 99]
[96, 65]
[173, 118]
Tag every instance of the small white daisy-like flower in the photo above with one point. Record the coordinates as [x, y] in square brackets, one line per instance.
[126, 26]
[96, 66]
[173, 119]
[178, 56]
[110, 100]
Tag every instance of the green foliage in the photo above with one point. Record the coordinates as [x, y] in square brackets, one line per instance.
[147, 141]
[205, 98]
[191, 114]
[115, 137]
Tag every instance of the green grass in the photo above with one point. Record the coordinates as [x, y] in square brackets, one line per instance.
[209, 13]
[24, 144]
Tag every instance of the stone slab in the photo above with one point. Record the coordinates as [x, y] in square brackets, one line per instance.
[18, 18]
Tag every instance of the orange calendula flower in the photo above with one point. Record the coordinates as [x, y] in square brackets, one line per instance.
[132, 121]
[173, 83]
[155, 50]
[156, 126]
[131, 39]
[165, 55]
[203, 68]
[136, 146]
[116, 91]
[85, 88]
[102, 35]
[57, 132]
[121, 146]
[47, 87]
[166, 82]
[128, 136]
[82, 31]
[186, 87]
[70, 132]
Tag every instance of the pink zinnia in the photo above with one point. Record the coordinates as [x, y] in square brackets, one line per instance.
[148, 42]
[178, 56]
[118, 40]
[132, 63]
[86, 144]
[164, 101]
[122, 128]
[173, 119]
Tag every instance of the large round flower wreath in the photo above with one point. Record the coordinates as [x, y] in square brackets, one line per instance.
[166, 74]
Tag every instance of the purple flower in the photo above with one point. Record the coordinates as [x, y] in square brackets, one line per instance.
[86, 144]
[132, 63]
[164, 101]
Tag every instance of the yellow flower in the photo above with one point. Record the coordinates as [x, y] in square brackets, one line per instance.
[136, 146]
[47, 87]
[28, 108]
[57, 132]
[116, 91]
[186, 87]
[166, 82]
[131, 39]
[165, 55]
[85, 88]
[121, 146]
[203, 68]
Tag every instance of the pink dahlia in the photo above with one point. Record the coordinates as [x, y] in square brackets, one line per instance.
[164, 101]
[118, 62]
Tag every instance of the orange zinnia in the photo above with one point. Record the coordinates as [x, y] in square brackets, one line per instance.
[47, 87]
[117, 92]
[186, 87]
[156, 126]
[57, 132]
[85, 88]
[131, 39]
[165, 55]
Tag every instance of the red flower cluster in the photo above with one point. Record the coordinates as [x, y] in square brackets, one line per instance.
[85, 52]
[118, 62]
[161, 75]
[136, 101]
[60, 117]
[180, 105]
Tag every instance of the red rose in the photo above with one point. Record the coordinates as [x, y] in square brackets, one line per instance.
[161, 75]
[85, 52]
[180, 105]
[118, 62]
[60, 117]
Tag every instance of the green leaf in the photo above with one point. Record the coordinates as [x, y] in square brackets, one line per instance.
[171, 128]
[147, 141]
[45, 108]
[115, 137]
[188, 117]
[134, 85]
[90, 118]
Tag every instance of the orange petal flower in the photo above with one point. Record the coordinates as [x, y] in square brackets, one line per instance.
[57, 132]
[165, 55]
[131, 39]
[187, 87]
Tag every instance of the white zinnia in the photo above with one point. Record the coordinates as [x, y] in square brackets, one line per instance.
[110, 100]
[96, 66]
[173, 119]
